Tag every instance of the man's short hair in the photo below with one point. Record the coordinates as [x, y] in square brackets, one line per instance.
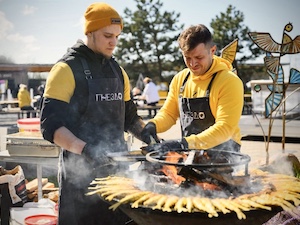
[193, 36]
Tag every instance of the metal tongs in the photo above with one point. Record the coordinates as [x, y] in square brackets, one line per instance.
[153, 142]
[190, 159]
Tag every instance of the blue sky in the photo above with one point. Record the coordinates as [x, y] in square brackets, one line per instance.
[40, 31]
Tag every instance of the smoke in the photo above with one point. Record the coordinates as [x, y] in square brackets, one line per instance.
[148, 178]
[283, 164]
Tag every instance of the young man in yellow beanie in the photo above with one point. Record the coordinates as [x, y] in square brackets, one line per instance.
[86, 109]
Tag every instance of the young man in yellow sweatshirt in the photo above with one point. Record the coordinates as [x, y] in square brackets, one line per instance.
[207, 97]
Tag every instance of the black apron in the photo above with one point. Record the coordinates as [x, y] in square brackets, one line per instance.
[196, 116]
[103, 124]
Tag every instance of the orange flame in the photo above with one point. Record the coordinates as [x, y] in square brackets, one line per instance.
[171, 171]
[207, 186]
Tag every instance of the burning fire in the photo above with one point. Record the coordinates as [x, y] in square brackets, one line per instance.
[172, 172]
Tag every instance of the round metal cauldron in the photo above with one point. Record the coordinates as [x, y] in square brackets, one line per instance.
[147, 216]
[218, 161]
[216, 158]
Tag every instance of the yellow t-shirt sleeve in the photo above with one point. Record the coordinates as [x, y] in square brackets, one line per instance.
[60, 83]
[126, 86]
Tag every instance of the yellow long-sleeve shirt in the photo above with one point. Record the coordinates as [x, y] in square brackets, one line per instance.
[225, 100]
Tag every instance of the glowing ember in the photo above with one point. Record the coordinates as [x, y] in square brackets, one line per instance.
[171, 171]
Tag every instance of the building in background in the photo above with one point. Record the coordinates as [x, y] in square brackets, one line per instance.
[11, 75]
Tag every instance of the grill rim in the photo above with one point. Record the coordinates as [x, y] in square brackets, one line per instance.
[245, 159]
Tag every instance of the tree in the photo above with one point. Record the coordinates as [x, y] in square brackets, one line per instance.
[5, 60]
[229, 26]
[148, 42]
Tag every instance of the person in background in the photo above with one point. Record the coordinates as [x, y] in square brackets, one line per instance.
[24, 99]
[150, 95]
[136, 92]
[86, 108]
[206, 96]
[40, 91]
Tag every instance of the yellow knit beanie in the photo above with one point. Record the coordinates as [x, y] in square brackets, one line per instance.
[99, 15]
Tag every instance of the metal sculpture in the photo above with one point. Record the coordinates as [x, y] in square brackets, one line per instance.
[229, 51]
[274, 68]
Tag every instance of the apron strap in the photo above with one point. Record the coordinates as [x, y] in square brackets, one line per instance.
[87, 72]
[115, 71]
[183, 84]
[208, 88]
[113, 68]
[209, 85]
[86, 69]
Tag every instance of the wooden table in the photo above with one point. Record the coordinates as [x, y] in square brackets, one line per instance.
[13, 102]
[9, 103]
[38, 161]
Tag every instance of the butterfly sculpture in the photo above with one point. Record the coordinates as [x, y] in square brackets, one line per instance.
[274, 69]
[229, 51]
[267, 43]
[272, 63]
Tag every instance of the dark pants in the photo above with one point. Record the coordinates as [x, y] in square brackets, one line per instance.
[78, 209]
[150, 110]
[5, 204]
[75, 207]
[28, 108]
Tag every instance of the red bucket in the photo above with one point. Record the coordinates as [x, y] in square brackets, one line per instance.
[29, 124]
[42, 219]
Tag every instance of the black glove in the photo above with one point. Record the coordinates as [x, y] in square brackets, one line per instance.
[94, 155]
[148, 132]
[168, 146]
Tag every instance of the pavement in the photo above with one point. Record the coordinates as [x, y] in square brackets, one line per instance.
[254, 129]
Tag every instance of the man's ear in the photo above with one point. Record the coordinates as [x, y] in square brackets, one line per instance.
[213, 49]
